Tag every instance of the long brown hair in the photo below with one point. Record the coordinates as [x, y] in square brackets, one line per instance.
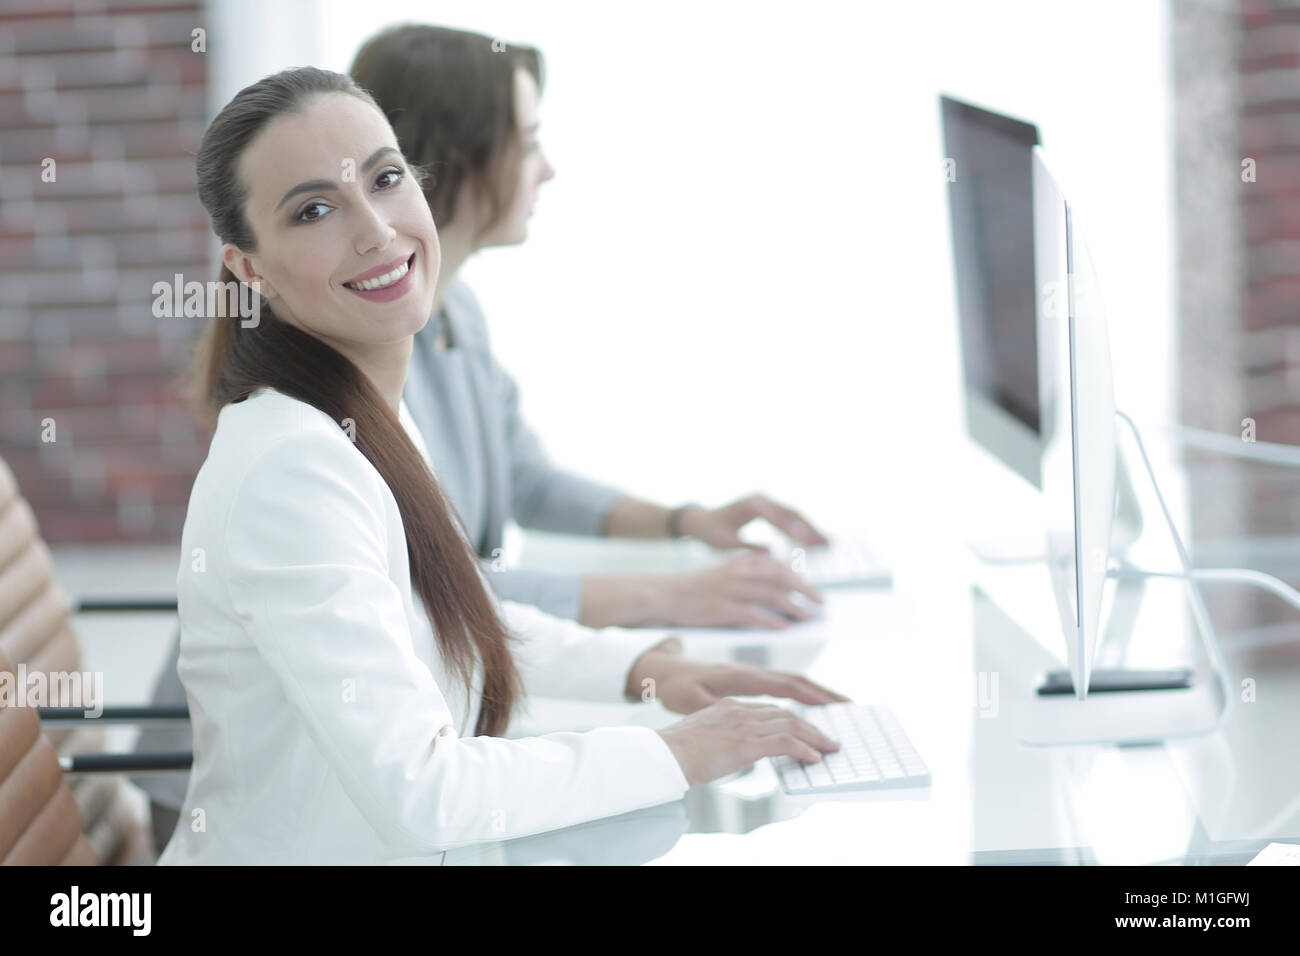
[450, 98]
[233, 361]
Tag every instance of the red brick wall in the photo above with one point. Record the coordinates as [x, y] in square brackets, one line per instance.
[1269, 76]
[1269, 69]
[114, 94]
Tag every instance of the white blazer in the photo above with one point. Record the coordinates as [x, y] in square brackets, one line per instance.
[326, 729]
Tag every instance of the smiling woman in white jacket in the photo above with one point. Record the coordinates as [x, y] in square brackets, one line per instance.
[337, 635]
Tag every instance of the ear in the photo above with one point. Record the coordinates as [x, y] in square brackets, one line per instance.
[243, 268]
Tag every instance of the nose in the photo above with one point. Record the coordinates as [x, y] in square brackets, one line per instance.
[373, 230]
[547, 171]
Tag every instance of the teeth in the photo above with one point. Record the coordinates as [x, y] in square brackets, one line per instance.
[380, 281]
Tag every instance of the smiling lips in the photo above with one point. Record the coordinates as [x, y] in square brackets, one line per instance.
[383, 283]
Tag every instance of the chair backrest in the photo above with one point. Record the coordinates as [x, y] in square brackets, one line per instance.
[36, 631]
[40, 824]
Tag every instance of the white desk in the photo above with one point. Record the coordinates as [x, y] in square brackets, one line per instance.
[919, 648]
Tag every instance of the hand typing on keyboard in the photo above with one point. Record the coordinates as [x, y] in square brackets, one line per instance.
[740, 592]
[876, 753]
[731, 734]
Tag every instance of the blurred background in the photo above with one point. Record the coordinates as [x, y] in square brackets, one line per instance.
[740, 277]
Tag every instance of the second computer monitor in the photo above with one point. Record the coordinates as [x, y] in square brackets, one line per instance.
[991, 203]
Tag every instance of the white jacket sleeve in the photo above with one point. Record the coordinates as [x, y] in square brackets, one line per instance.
[561, 658]
[307, 574]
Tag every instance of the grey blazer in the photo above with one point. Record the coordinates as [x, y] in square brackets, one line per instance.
[488, 461]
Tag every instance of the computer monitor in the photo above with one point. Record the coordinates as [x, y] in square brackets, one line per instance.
[991, 203]
[1077, 403]
[1028, 402]
[1038, 382]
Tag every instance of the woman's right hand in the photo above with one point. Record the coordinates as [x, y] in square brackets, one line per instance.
[752, 589]
[730, 735]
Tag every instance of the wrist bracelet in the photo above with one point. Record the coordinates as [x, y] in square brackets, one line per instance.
[674, 517]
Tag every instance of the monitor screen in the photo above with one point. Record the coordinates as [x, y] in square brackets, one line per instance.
[990, 183]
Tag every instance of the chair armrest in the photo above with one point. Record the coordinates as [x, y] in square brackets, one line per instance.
[173, 713]
[123, 605]
[127, 763]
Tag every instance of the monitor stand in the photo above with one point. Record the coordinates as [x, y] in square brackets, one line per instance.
[1125, 705]
[1134, 706]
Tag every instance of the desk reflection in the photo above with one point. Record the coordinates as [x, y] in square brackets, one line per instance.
[629, 839]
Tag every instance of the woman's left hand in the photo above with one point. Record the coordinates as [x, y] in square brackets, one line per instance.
[685, 686]
[720, 527]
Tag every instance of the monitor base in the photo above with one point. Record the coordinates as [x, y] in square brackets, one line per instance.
[1136, 717]
[1104, 680]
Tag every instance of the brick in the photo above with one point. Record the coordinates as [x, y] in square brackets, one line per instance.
[1263, 135]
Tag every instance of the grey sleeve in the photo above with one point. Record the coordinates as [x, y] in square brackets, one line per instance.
[559, 595]
[545, 497]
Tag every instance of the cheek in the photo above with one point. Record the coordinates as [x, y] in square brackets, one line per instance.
[526, 194]
[432, 258]
[314, 278]
[535, 173]
[422, 227]
[306, 277]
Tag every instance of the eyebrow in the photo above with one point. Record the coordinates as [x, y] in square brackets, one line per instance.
[316, 185]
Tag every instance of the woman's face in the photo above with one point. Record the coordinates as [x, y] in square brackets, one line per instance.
[533, 169]
[332, 204]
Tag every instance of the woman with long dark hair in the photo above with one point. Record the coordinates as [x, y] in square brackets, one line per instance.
[464, 107]
[348, 674]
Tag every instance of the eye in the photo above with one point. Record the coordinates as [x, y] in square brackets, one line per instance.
[393, 171]
[302, 213]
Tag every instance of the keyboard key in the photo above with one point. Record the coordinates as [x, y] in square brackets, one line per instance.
[818, 775]
[874, 753]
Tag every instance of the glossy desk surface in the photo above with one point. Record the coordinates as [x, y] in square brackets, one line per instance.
[923, 647]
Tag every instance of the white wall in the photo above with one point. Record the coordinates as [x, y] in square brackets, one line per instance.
[740, 276]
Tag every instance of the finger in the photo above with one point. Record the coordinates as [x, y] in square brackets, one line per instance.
[750, 681]
[737, 614]
[774, 572]
[785, 606]
[794, 582]
[725, 539]
[775, 597]
[751, 615]
[752, 705]
[832, 697]
[809, 692]
[745, 563]
[757, 680]
[760, 566]
[715, 530]
[802, 531]
[697, 698]
[740, 512]
[788, 745]
[809, 734]
[788, 520]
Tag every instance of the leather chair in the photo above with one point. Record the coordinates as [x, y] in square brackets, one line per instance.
[40, 822]
[43, 819]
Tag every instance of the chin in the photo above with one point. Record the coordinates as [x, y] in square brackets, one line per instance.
[410, 324]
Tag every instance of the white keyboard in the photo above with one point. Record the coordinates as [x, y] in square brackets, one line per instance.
[845, 562]
[874, 753]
